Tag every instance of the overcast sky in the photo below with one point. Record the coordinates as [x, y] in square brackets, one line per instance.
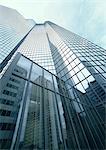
[84, 17]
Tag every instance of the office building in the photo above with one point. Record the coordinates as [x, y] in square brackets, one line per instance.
[52, 87]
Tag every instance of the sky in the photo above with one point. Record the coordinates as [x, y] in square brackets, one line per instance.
[84, 17]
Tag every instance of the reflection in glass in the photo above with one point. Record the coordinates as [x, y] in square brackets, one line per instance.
[85, 84]
[48, 83]
[80, 87]
[80, 76]
[36, 74]
[24, 64]
[43, 125]
[11, 93]
[55, 83]
[59, 114]
[85, 72]
[75, 79]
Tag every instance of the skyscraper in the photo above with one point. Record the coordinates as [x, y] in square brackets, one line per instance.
[52, 87]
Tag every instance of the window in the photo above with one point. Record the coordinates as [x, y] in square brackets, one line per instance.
[14, 80]
[5, 101]
[12, 86]
[6, 126]
[5, 112]
[9, 93]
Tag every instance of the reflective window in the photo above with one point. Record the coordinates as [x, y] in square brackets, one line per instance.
[48, 83]
[24, 66]
[36, 74]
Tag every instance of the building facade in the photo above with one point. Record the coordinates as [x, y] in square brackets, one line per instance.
[52, 87]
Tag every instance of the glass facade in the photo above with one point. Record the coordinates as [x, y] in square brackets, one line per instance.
[39, 110]
[75, 50]
[13, 29]
[37, 42]
[52, 89]
[29, 104]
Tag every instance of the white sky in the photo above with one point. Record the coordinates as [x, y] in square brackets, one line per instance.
[84, 17]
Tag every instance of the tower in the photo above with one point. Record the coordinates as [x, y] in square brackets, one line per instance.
[52, 88]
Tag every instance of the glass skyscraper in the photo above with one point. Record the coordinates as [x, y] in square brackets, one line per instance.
[52, 87]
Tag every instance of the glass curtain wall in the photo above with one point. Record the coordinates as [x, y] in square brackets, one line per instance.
[39, 110]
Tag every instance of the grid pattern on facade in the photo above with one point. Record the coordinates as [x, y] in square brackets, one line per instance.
[13, 28]
[82, 125]
[59, 107]
[36, 47]
[93, 56]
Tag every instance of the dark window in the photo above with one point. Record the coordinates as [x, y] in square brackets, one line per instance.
[5, 112]
[9, 93]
